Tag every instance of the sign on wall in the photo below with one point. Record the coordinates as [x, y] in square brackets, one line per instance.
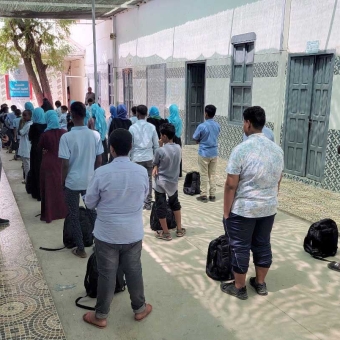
[19, 88]
[312, 46]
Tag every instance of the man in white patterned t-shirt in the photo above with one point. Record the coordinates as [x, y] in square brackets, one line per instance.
[250, 201]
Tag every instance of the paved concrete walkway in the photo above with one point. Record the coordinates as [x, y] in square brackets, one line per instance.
[303, 293]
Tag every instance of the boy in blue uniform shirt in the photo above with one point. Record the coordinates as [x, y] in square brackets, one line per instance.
[206, 135]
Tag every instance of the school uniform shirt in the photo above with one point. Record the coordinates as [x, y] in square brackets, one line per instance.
[118, 191]
[259, 163]
[16, 124]
[207, 135]
[168, 160]
[63, 121]
[25, 144]
[58, 110]
[133, 119]
[9, 120]
[144, 141]
[80, 146]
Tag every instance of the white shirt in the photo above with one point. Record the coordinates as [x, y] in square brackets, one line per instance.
[144, 141]
[25, 145]
[63, 121]
[80, 146]
[118, 191]
[259, 163]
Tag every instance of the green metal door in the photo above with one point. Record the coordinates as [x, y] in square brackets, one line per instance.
[195, 99]
[307, 115]
[298, 112]
[321, 98]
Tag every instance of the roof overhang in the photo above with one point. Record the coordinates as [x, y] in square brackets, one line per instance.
[64, 9]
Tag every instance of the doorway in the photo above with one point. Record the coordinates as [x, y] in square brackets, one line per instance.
[195, 99]
[307, 115]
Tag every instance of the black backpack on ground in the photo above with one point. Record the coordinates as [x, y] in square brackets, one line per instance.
[219, 260]
[154, 220]
[192, 183]
[322, 239]
[86, 228]
[91, 281]
[28, 180]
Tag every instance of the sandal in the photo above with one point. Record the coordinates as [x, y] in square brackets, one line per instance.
[90, 319]
[181, 233]
[161, 235]
[334, 266]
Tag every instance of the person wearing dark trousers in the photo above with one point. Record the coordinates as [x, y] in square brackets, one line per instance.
[81, 152]
[250, 203]
[3, 222]
[118, 191]
[144, 144]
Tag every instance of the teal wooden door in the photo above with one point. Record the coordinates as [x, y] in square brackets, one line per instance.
[321, 98]
[297, 116]
[307, 115]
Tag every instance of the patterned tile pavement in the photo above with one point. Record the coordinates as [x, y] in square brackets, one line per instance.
[27, 310]
[299, 199]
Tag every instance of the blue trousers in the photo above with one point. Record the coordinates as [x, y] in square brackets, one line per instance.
[247, 234]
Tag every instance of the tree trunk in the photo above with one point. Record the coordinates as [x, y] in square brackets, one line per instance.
[41, 69]
[34, 80]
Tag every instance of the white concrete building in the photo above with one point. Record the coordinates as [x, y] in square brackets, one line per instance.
[283, 55]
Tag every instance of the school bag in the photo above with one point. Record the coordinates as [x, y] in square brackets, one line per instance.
[192, 183]
[219, 260]
[91, 281]
[154, 220]
[28, 180]
[86, 229]
[322, 239]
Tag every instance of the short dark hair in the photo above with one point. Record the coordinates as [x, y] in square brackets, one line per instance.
[134, 110]
[142, 110]
[13, 108]
[17, 112]
[64, 107]
[57, 103]
[256, 116]
[168, 130]
[210, 110]
[121, 141]
[90, 100]
[78, 109]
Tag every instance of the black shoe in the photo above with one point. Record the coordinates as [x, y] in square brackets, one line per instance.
[147, 207]
[203, 199]
[260, 288]
[212, 198]
[3, 222]
[229, 288]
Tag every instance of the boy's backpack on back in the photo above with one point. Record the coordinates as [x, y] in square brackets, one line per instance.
[322, 239]
[91, 281]
[192, 183]
[219, 260]
[154, 220]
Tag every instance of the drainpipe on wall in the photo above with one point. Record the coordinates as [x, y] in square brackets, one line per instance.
[114, 61]
[279, 118]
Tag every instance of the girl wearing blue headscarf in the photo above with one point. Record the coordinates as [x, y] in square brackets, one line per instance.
[176, 121]
[156, 120]
[99, 124]
[53, 205]
[36, 130]
[113, 112]
[29, 106]
[119, 122]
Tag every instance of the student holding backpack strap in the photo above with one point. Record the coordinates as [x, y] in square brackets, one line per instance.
[250, 203]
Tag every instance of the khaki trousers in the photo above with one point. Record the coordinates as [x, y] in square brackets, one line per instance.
[207, 168]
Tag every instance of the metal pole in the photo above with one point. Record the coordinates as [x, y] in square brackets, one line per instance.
[94, 49]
